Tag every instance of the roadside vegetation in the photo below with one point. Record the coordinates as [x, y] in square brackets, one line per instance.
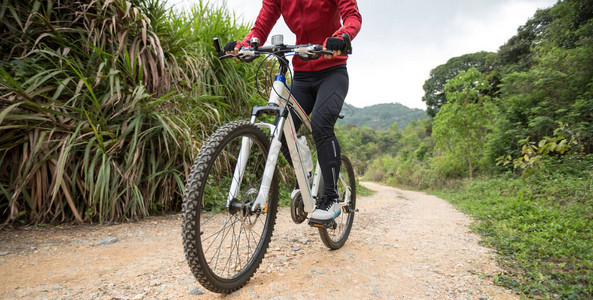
[104, 104]
[541, 227]
[509, 141]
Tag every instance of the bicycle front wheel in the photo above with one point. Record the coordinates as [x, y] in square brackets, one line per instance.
[225, 246]
[334, 238]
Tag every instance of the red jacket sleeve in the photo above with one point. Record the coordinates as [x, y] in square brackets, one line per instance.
[351, 19]
[268, 15]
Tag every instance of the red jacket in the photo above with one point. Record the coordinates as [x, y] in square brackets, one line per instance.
[312, 21]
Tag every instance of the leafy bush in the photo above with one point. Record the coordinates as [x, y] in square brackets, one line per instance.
[541, 227]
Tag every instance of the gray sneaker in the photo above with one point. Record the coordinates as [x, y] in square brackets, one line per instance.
[328, 209]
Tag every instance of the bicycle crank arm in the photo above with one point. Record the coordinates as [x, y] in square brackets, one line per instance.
[350, 209]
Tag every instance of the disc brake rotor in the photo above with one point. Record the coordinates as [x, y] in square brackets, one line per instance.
[249, 218]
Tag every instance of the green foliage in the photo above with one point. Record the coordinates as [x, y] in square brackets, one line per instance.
[393, 156]
[532, 155]
[540, 78]
[434, 87]
[556, 83]
[517, 54]
[103, 105]
[461, 125]
[541, 228]
[365, 144]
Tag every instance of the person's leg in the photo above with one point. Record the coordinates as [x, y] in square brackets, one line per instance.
[330, 98]
[304, 92]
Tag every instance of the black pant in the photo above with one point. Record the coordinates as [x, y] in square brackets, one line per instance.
[321, 94]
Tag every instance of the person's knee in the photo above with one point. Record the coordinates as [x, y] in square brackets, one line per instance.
[323, 130]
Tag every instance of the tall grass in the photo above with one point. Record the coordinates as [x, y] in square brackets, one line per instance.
[104, 103]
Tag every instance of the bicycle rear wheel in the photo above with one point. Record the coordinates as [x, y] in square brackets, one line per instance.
[225, 246]
[334, 238]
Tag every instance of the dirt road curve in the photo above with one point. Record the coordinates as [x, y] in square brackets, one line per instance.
[404, 245]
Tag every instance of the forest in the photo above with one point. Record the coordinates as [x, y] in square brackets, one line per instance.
[104, 104]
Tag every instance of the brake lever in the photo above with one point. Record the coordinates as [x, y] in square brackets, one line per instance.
[247, 55]
[225, 56]
[348, 42]
[325, 52]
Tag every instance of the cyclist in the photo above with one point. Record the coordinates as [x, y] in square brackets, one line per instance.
[319, 85]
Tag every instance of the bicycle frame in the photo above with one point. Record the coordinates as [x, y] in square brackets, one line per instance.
[280, 100]
[279, 103]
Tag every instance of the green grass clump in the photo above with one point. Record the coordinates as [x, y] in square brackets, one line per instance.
[104, 104]
[541, 226]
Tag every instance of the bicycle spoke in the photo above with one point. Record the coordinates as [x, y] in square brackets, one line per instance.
[215, 233]
[227, 265]
[219, 248]
[242, 249]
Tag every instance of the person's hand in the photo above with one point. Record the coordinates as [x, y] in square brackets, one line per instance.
[233, 47]
[335, 45]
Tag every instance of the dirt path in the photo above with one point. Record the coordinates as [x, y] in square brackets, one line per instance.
[404, 245]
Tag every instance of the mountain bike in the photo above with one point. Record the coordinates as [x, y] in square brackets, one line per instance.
[231, 195]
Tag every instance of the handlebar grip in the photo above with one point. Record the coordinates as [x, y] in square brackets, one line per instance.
[348, 42]
[219, 51]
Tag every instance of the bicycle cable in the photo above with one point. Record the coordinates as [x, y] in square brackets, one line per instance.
[267, 72]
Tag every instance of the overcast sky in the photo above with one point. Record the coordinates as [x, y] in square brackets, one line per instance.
[402, 40]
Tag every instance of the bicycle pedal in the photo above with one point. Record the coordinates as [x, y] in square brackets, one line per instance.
[350, 210]
[327, 224]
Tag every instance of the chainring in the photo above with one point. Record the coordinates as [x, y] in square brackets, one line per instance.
[297, 209]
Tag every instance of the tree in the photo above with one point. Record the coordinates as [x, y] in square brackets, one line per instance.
[459, 127]
[557, 87]
[434, 87]
[517, 54]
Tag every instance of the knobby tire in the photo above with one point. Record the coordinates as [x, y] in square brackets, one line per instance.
[215, 255]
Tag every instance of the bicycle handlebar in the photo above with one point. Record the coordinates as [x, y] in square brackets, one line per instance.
[308, 51]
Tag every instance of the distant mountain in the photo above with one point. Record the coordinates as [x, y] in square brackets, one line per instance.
[381, 116]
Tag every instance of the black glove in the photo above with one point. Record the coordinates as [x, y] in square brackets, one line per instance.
[230, 46]
[334, 44]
